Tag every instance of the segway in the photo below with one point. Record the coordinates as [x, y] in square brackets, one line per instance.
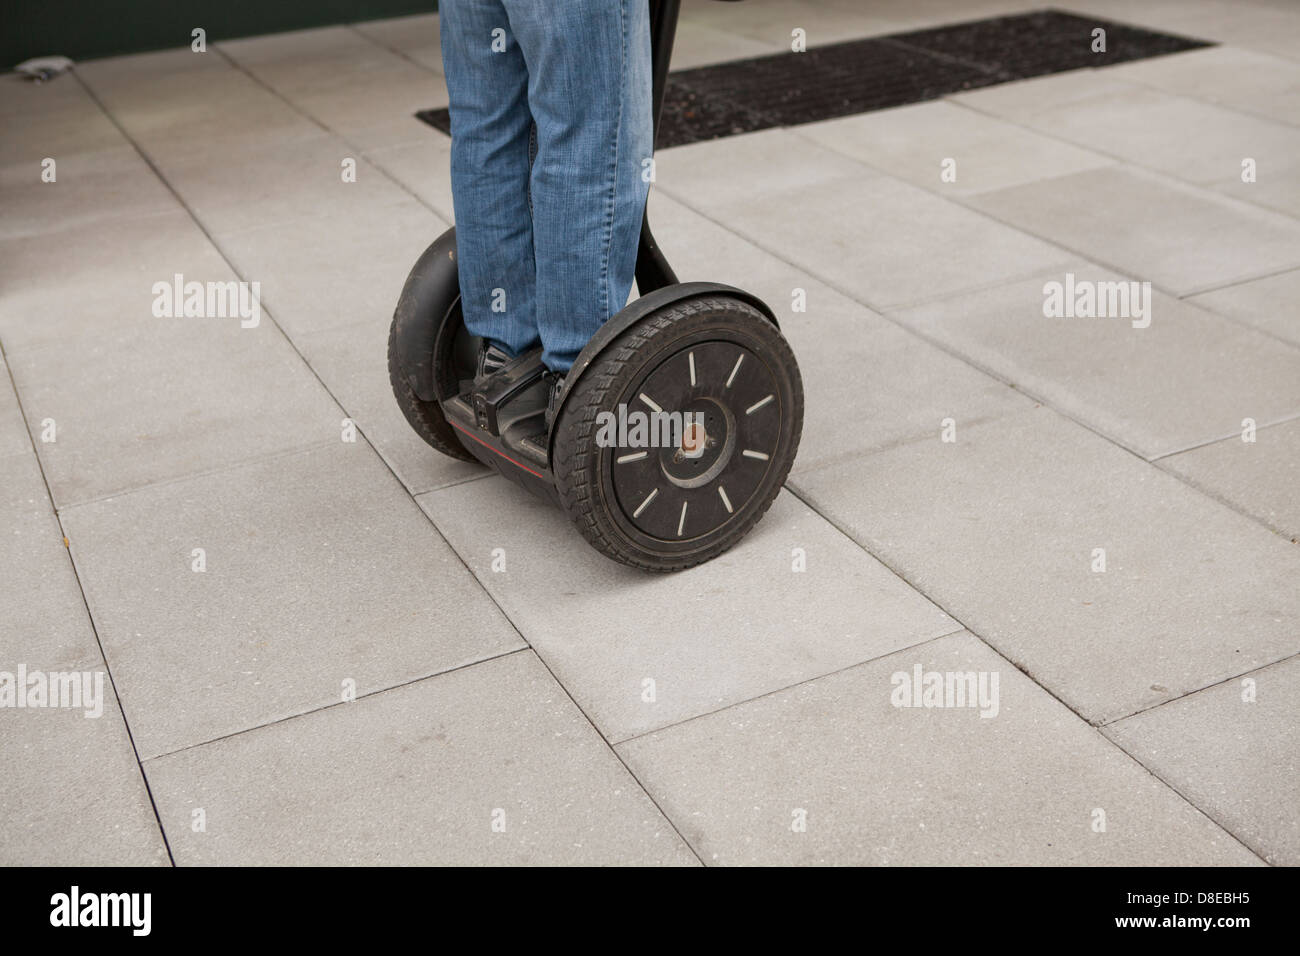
[703, 354]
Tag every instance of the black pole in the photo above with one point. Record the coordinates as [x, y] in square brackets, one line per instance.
[652, 269]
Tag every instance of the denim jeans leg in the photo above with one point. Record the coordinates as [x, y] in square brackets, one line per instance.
[589, 81]
[487, 86]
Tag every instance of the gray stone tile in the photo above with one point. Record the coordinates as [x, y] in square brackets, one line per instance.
[1000, 528]
[42, 616]
[424, 168]
[896, 386]
[414, 37]
[378, 108]
[195, 114]
[319, 570]
[14, 439]
[1268, 304]
[1184, 240]
[340, 267]
[1237, 761]
[352, 361]
[306, 61]
[708, 176]
[274, 182]
[73, 794]
[418, 775]
[946, 787]
[1243, 80]
[105, 185]
[40, 124]
[1181, 137]
[913, 143]
[166, 398]
[1189, 377]
[883, 241]
[1024, 100]
[698, 44]
[744, 624]
[1261, 478]
[95, 282]
[1276, 186]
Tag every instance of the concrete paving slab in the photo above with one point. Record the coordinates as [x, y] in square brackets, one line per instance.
[340, 267]
[352, 361]
[492, 764]
[96, 281]
[73, 793]
[271, 182]
[1268, 304]
[883, 241]
[1261, 478]
[986, 153]
[307, 61]
[319, 571]
[704, 175]
[377, 108]
[423, 168]
[1187, 377]
[1183, 138]
[52, 125]
[14, 439]
[166, 398]
[896, 386]
[1022, 101]
[1002, 527]
[1182, 239]
[186, 116]
[641, 651]
[1231, 749]
[1240, 79]
[43, 619]
[1276, 186]
[415, 37]
[698, 44]
[780, 780]
[107, 185]
[23, 101]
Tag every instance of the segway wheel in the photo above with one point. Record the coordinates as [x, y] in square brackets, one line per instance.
[676, 504]
[425, 417]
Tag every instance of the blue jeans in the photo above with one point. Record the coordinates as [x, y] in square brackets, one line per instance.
[551, 140]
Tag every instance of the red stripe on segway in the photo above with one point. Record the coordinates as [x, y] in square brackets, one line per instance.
[517, 464]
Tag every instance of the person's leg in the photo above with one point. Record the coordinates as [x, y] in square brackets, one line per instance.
[487, 83]
[589, 93]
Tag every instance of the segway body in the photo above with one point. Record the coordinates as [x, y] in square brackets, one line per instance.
[676, 426]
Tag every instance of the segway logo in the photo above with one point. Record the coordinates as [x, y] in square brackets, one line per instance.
[208, 300]
[1085, 299]
[634, 428]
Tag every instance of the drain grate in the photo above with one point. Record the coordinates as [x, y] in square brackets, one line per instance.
[857, 76]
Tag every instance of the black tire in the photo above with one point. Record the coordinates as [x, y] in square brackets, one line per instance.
[599, 486]
[425, 417]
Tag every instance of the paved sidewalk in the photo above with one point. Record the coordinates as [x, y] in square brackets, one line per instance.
[1096, 520]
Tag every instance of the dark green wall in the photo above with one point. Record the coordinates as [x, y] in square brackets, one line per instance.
[83, 29]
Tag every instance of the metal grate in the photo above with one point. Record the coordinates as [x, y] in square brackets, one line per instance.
[786, 89]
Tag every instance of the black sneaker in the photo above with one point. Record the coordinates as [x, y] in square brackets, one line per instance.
[490, 359]
[557, 393]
